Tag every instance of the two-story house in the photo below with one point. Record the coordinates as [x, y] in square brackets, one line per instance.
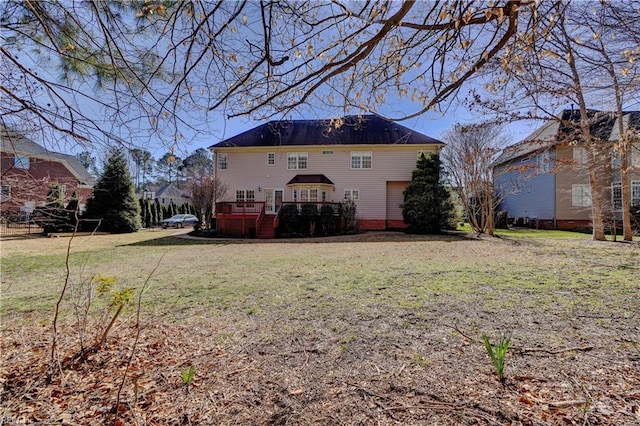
[28, 170]
[365, 159]
[544, 179]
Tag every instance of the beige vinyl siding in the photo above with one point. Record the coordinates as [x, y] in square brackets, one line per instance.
[567, 176]
[395, 197]
[247, 169]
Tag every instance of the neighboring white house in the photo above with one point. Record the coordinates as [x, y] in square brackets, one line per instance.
[366, 159]
[166, 194]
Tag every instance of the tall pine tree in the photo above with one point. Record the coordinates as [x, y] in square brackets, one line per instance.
[114, 200]
[427, 207]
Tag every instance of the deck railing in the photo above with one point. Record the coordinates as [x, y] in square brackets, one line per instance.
[245, 208]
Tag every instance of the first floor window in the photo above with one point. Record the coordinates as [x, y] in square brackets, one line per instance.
[581, 195]
[361, 159]
[635, 193]
[616, 196]
[5, 192]
[306, 195]
[20, 162]
[222, 161]
[351, 194]
[245, 197]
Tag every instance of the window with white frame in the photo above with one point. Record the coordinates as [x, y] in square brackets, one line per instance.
[543, 160]
[222, 161]
[5, 192]
[580, 155]
[271, 158]
[635, 193]
[635, 154]
[297, 160]
[20, 162]
[246, 196]
[616, 195]
[351, 194]
[581, 195]
[361, 159]
[615, 159]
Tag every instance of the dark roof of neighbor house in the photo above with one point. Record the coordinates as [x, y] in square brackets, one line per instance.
[354, 130]
[316, 179]
[169, 191]
[603, 126]
[16, 143]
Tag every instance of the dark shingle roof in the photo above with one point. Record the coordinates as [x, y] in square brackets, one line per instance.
[310, 179]
[355, 130]
[603, 125]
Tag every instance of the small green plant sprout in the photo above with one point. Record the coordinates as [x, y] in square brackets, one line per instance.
[187, 376]
[497, 352]
[119, 299]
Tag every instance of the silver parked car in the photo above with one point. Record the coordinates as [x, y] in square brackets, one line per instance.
[180, 220]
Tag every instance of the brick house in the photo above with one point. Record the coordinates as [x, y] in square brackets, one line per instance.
[28, 170]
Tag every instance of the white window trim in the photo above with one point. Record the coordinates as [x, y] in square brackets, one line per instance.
[271, 158]
[580, 155]
[245, 196]
[616, 187]
[581, 198]
[360, 156]
[21, 162]
[543, 161]
[223, 161]
[354, 194]
[635, 154]
[635, 190]
[298, 157]
[5, 192]
[616, 159]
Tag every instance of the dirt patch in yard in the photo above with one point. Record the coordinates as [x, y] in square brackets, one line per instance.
[373, 329]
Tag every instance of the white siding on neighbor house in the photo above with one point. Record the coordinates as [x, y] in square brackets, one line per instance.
[249, 168]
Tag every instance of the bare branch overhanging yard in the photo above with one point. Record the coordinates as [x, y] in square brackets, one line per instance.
[368, 329]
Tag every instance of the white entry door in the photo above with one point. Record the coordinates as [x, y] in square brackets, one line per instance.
[273, 200]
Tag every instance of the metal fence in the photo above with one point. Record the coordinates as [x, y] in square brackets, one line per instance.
[10, 228]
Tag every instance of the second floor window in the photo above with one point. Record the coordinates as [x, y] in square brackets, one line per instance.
[222, 161]
[271, 158]
[580, 155]
[20, 162]
[297, 160]
[361, 159]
